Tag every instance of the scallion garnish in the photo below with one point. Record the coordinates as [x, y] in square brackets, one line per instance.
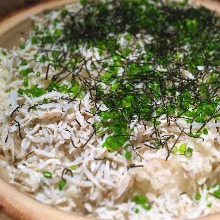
[174, 150]
[25, 72]
[197, 196]
[182, 148]
[62, 183]
[216, 193]
[188, 152]
[205, 131]
[142, 201]
[128, 155]
[73, 167]
[47, 174]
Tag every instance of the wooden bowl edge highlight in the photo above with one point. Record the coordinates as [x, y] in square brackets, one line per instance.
[21, 207]
[17, 204]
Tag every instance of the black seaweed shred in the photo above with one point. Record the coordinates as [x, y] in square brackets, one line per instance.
[19, 128]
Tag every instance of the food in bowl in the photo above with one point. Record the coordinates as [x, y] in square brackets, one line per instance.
[110, 109]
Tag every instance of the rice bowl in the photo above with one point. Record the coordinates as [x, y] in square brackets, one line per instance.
[60, 143]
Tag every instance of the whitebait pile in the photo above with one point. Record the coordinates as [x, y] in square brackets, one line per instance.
[111, 110]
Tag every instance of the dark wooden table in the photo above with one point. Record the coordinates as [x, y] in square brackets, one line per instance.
[9, 6]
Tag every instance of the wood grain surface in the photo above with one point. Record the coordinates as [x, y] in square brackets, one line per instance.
[22, 207]
[16, 204]
[9, 6]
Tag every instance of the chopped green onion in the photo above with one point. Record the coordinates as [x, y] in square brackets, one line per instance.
[83, 2]
[114, 86]
[45, 101]
[188, 152]
[128, 155]
[73, 167]
[205, 131]
[34, 40]
[174, 150]
[136, 210]
[4, 52]
[197, 196]
[62, 183]
[47, 174]
[34, 91]
[22, 46]
[25, 72]
[25, 83]
[139, 199]
[182, 148]
[209, 205]
[142, 200]
[146, 207]
[216, 193]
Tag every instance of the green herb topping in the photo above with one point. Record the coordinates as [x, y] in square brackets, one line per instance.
[142, 201]
[47, 174]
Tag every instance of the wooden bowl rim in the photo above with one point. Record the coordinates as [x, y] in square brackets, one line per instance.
[17, 204]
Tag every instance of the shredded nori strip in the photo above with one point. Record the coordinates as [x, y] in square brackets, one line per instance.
[19, 128]
[65, 171]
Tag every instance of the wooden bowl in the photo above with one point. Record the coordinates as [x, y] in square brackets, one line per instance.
[18, 205]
